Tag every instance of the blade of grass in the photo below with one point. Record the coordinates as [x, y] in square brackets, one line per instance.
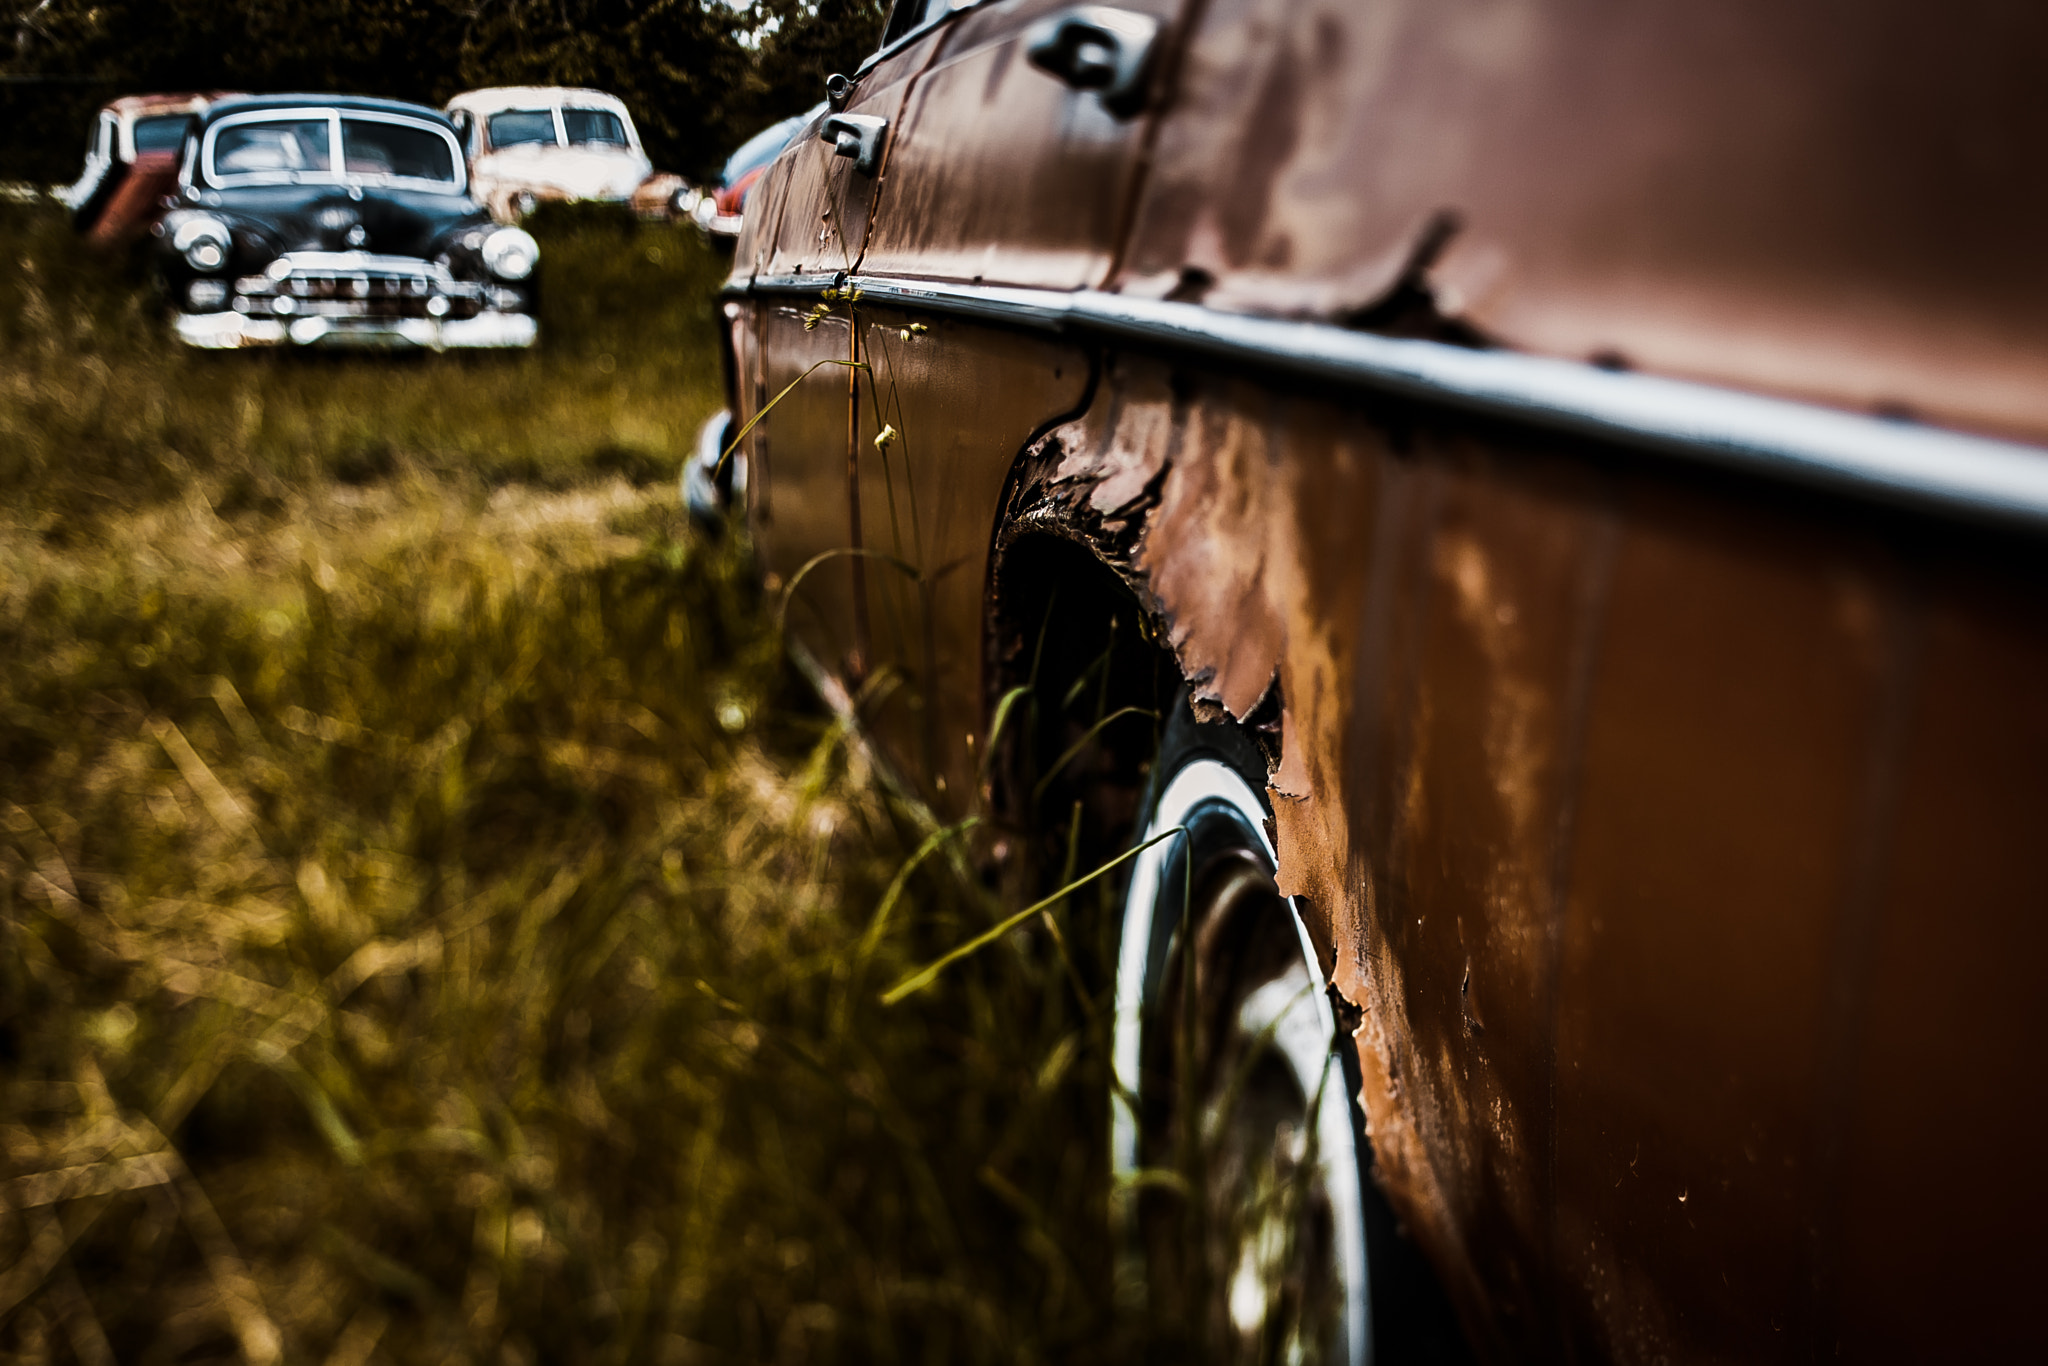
[1074, 749]
[926, 975]
[769, 407]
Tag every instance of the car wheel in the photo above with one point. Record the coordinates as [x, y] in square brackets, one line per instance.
[711, 483]
[1234, 1130]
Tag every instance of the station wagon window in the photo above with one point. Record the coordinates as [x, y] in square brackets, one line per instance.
[272, 149]
[396, 150]
[161, 133]
[587, 126]
[523, 128]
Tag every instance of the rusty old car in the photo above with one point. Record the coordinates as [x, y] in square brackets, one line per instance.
[319, 220]
[1585, 469]
[131, 164]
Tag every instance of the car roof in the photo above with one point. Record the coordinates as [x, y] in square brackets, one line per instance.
[143, 106]
[499, 97]
[368, 103]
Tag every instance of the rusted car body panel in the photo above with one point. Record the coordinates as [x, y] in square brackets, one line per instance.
[1052, 170]
[1778, 197]
[1665, 793]
[1604, 783]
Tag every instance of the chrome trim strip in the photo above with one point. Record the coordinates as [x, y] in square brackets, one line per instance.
[294, 263]
[813, 283]
[1894, 462]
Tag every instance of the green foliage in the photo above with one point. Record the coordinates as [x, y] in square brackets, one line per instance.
[699, 75]
[433, 927]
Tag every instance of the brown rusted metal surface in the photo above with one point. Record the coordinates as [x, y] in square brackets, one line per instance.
[1589, 780]
[999, 171]
[1836, 202]
[812, 211]
[1930, 1165]
[1677, 834]
[962, 402]
[796, 471]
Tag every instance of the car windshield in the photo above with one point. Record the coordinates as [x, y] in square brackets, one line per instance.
[273, 147]
[161, 133]
[372, 147]
[523, 127]
[587, 126]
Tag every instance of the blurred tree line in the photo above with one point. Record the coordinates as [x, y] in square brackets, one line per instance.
[699, 75]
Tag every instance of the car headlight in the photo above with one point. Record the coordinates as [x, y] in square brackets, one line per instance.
[203, 241]
[511, 253]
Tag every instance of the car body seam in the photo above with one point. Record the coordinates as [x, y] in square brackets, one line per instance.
[1904, 464]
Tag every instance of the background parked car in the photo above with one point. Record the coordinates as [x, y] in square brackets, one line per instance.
[1595, 506]
[316, 220]
[530, 144]
[131, 163]
[721, 211]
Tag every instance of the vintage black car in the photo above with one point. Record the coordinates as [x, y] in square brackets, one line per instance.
[321, 220]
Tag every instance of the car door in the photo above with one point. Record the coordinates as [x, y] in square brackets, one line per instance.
[1020, 146]
[806, 223]
[96, 184]
[1012, 161]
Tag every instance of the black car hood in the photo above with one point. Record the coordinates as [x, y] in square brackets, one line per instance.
[393, 221]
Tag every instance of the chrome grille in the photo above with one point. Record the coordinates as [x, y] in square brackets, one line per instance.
[357, 285]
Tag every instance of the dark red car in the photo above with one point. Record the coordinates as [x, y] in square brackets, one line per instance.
[131, 163]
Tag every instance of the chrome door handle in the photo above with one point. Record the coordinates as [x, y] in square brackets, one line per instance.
[858, 136]
[1095, 47]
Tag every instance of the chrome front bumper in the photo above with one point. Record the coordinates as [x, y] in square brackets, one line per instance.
[229, 331]
[356, 298]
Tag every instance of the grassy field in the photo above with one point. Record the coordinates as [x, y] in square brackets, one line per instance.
[433, 925]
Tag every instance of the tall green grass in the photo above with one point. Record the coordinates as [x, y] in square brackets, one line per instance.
[433, 926]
